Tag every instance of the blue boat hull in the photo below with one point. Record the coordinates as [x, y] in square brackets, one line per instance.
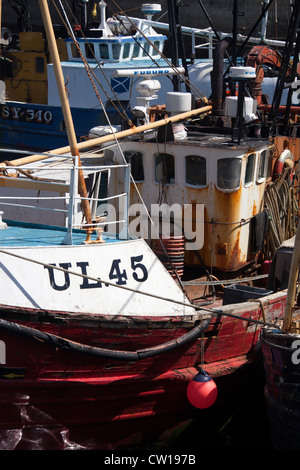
[36, 127]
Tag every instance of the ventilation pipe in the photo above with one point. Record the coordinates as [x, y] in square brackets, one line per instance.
[217, 83]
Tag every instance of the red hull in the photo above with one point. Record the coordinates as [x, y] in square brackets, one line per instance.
[53, 398]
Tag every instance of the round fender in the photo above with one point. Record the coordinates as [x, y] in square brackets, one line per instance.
[285, 158]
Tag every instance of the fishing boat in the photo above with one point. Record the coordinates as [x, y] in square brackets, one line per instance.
[94, 56]
[31, 116]
[90, 55]
[99, 343]
[100, 346]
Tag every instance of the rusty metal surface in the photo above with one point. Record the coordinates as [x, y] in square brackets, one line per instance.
[227, 213]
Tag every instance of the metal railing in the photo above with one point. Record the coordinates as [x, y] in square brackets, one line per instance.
[68, 189]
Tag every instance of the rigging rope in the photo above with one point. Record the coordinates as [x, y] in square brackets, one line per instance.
[280, 202]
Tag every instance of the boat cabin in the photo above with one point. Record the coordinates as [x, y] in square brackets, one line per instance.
[116, 49]
[219, 183]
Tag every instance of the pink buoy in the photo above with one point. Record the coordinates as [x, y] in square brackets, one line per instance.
[202, 391]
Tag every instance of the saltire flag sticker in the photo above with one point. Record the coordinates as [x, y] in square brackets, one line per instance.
[120, 84]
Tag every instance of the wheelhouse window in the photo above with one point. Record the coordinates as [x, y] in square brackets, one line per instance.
[116, 49]
[74, 51]
[164, 168]
[263, 165]
[103, 50]
[156, 46]
[136, 49]
[229, 173]
[89, 50]
[146, 49]
[195, 170]
[250, 166]
[126, 50]
[135, 159]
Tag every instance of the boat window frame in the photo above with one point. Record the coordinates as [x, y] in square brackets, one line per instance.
[156, 45]
[126, 50]
[135, 153]
[157, 154]
[117, 51]
[146, 49]
[89, 48]
[104, 46]
[191, 185]
[39, 65]
[260, 179]
[229, 189]
[250, 183]
[74, 51]
[137, 50]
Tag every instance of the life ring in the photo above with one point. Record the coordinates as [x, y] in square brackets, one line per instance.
[285, 158]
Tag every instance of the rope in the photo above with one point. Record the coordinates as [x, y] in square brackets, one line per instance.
[230, 281]
[261, 306]
[63, 343]
[281, 204]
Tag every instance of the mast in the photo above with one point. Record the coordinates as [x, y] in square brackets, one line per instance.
[66, 109]
[174, 42]
[234, 31]
[181, 45]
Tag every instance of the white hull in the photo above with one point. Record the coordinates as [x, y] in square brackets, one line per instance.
[29, 285]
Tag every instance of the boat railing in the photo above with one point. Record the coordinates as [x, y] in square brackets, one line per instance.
[25, 192]
[97, 219]
[210, 36]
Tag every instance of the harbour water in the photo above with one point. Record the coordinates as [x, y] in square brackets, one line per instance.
[239, 425]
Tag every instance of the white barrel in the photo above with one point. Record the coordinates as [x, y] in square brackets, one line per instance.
[249, 106]
[178, 102]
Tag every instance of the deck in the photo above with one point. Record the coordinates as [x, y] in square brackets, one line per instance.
[21, 234]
